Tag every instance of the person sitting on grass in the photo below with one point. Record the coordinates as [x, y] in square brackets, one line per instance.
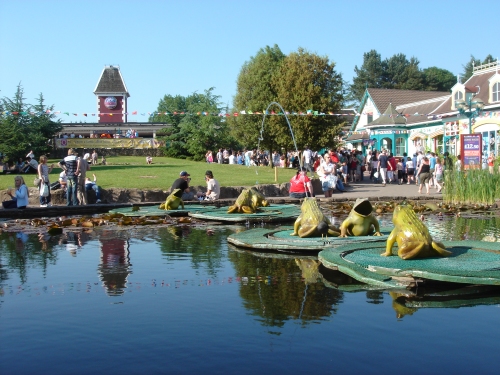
[20, 195]
[92, 185]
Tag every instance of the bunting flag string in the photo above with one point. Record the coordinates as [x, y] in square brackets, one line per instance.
[308, 112]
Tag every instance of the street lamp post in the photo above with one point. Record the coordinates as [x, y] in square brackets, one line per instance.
[471, 107]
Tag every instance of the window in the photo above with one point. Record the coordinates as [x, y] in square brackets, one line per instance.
[495, 92]
[400, 146]
[459, 95]
[438, 144]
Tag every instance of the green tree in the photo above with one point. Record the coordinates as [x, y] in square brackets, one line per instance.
[370, 74]
[306, 81]
[195, 126]
[468, 67]
[254, 93]
[401, 73]
[26, 127]
[169, 112]
[437, 79]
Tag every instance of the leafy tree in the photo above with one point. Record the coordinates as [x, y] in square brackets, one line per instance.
[370, 74]
[306, 81]
[26, 127]
[196, 127]
[401, 73]
[468, 67]
[174, 139]
[254, 93]
[437, 79]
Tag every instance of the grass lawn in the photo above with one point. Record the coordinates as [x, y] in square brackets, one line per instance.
[133, 172]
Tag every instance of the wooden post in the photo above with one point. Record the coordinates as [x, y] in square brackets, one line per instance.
[276, 174]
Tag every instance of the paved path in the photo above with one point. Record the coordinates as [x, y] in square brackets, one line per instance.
[367, 189]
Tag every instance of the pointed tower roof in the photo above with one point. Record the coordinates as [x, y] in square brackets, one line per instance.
[111, 82]
[390, 117]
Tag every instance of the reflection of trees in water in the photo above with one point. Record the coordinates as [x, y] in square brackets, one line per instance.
[204, 247]
[287, 296]
[460, 228]
[20, 252]
[375, 296]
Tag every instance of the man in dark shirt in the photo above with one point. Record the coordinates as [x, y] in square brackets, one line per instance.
[182, 183]
[382, 166]
[71, 165]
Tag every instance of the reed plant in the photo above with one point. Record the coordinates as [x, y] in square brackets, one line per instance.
[475, 186]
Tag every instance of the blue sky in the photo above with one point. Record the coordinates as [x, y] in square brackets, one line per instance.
[59, 48]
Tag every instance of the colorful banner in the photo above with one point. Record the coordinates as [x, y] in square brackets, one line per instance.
[471, 146]
[137, 143]
[308, 112]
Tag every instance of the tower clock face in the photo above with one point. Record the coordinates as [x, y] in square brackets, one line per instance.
[110, 102]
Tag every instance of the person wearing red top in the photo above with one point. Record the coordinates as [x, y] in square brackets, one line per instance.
[300, 185]
[491, 162]
[334, 157]
[391, 167]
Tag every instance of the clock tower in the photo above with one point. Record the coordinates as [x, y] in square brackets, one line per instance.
[111, 94]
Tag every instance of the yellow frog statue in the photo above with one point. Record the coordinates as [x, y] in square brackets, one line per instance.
[172, 202]
[248, 202]
[412, 236]
[360, 221]
[312, 222]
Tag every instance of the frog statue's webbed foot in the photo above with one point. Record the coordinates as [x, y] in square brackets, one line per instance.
[440, 248]
[411, 250]
[232, 209]
[378, 234]
[247, 209]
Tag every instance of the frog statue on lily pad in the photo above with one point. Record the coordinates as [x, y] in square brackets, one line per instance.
[173, 202]
[360, 221]
[248, 202]
[312, 222]
[412, 236]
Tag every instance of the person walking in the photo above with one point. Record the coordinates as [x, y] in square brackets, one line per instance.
[438, 174]
[326, 172]
[382, 165]
[43, 175]
[424, 175]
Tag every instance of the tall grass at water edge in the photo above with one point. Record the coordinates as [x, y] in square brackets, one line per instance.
[475, 186]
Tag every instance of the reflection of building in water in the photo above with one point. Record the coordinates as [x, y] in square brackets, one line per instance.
[114, 267]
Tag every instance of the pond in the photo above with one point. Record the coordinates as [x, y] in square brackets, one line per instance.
[182, 301]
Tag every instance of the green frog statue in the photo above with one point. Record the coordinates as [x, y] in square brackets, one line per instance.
[248, 202]
[412, 236]
[172, 202]
[312, 222]
[360, 221]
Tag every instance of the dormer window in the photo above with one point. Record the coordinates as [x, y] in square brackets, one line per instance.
[459, 95]
[495, 92]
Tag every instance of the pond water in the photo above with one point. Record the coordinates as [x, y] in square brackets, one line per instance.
[183, 301]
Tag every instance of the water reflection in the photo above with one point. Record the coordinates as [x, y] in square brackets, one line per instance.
[114, 266]
[277, 292]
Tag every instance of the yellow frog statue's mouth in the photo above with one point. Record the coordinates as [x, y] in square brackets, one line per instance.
[360, 221]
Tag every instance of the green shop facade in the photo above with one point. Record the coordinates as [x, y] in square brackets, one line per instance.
[407, 121]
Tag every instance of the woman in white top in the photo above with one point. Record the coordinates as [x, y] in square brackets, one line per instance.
[327, 175]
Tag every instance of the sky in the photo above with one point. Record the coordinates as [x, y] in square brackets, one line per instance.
[59, 48]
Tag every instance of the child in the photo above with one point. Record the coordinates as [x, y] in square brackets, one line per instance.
[399, 168]
[344, 171]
